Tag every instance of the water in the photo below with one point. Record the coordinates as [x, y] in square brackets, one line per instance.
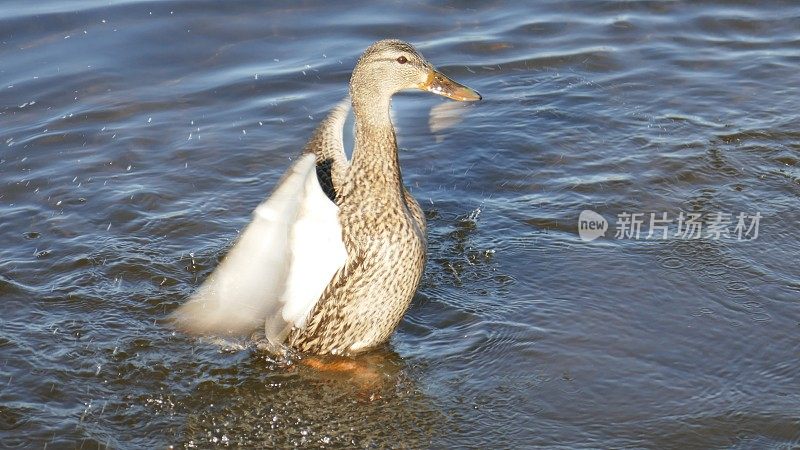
[136, 137]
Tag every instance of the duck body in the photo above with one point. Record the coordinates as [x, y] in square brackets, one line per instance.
[332, 259]
[383, 231]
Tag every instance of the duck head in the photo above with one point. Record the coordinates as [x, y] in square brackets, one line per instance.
[389, 66]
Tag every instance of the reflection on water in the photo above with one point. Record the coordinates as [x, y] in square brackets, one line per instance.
[137, 137]
[372, 404]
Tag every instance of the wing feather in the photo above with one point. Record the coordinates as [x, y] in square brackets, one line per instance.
[317, 251]
[285, 258]
[246, 287]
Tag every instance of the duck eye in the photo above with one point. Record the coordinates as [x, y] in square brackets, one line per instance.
[402, 60]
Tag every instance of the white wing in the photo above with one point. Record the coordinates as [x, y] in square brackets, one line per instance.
[278, 267]
[317, 253]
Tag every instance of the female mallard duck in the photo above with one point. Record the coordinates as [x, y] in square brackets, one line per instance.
[331, 260]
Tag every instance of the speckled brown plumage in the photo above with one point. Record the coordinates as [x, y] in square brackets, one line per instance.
[383, 226]
[386, 248]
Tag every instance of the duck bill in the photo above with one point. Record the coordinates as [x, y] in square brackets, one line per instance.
[438, 83]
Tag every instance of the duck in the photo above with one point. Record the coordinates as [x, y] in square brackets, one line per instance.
[332, 259]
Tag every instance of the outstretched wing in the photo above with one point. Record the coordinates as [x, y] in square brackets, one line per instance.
[257, 280]
[317, 253]
[316, 237]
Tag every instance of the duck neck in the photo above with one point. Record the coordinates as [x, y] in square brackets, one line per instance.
[375, 164]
